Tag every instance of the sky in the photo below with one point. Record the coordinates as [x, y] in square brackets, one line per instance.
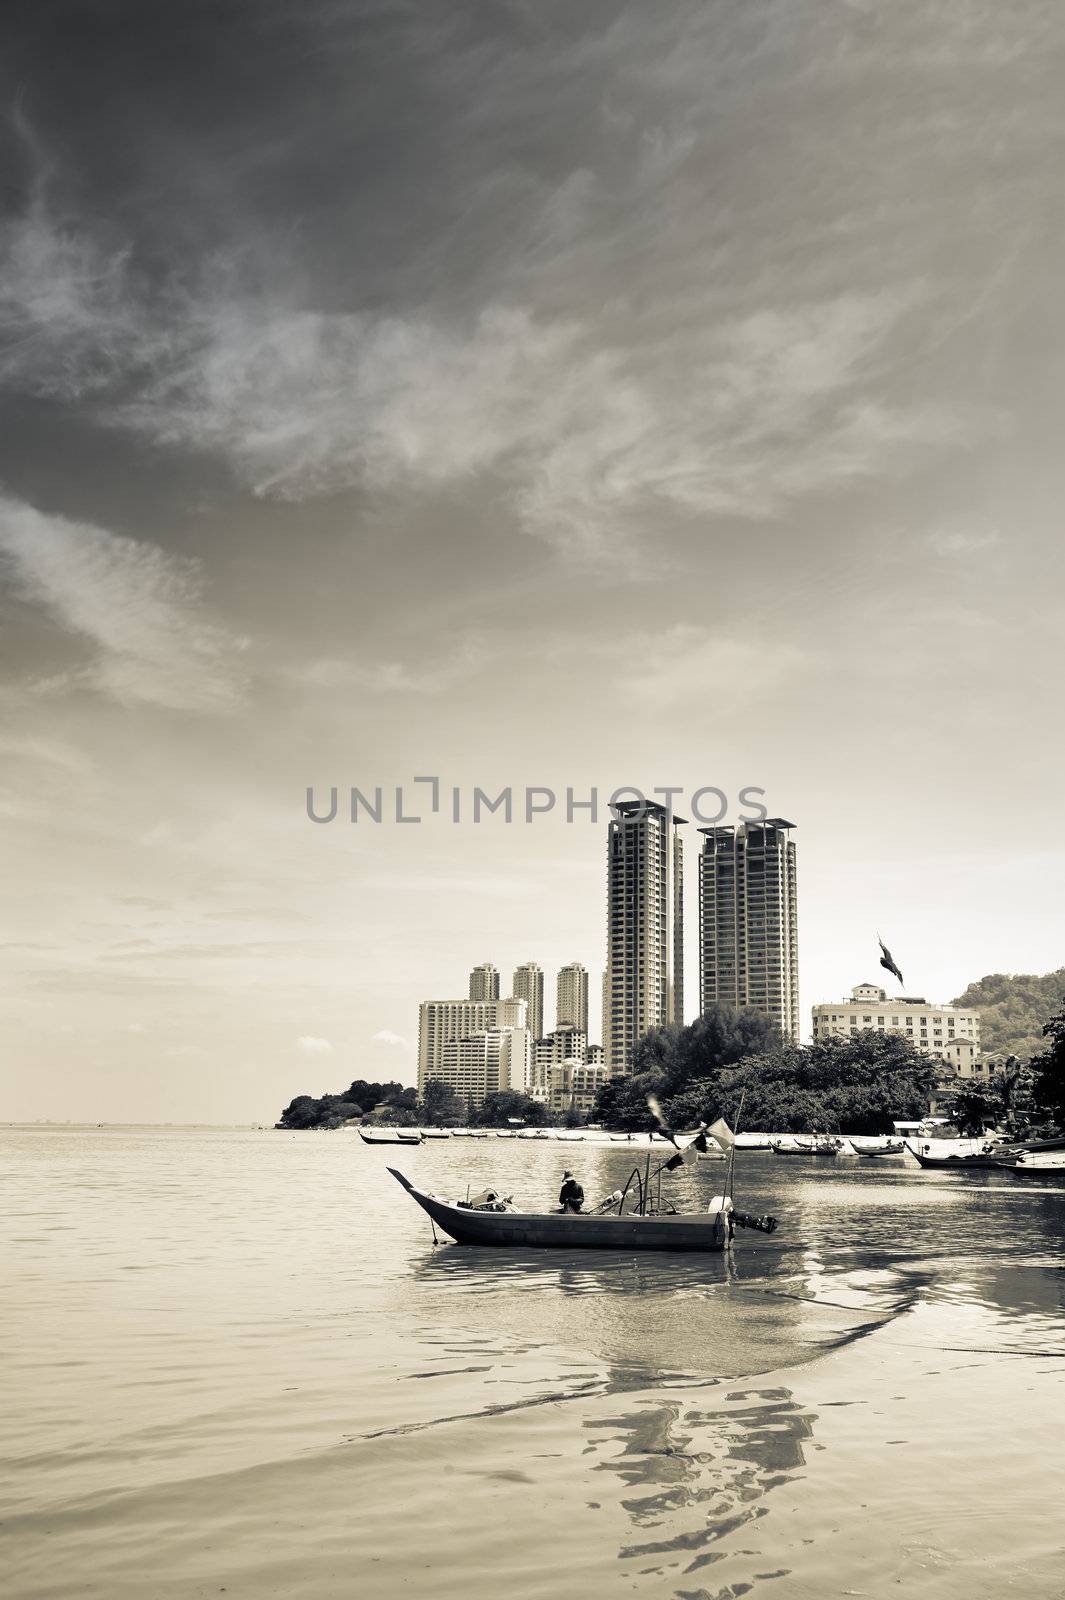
[515, 394]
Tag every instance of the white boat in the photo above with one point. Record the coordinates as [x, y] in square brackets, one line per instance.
[435, 1133]
[390, 1136]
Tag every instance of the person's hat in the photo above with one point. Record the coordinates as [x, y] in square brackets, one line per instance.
[567, 1173]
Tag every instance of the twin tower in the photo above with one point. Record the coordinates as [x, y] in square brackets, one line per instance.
[748, 926]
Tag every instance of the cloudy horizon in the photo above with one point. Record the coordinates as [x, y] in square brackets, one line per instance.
[522, 395]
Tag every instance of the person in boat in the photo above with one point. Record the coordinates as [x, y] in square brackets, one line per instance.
[571, 1195]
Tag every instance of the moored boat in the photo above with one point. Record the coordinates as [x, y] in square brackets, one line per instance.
[893, 1147]
[966, 1156]
[1034, 1169]
[390, 1136]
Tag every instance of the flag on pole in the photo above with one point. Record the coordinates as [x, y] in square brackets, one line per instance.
[721, 1131]
[887, 960]
[685, 1155]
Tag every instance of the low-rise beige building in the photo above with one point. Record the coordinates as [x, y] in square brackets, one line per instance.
[943, 1031]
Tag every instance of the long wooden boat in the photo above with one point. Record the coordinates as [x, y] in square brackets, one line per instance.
[892, 1148]
[553, 1230]
[390, 1136]
[969, 1161]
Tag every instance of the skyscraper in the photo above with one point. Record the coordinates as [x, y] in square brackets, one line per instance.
[528, 985]
[748, 923]
[572, 994]
[484, 982]
[644, 985]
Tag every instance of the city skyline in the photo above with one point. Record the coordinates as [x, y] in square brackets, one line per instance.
[360, 422]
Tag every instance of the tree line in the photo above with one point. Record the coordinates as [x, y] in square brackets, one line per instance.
[861, 1083]
[393, 1105]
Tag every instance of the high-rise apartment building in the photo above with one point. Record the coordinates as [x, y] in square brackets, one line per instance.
[484, 982]
[748, 923]
[644, 985]
[441, 1022]
[572, 996]
[528, 985]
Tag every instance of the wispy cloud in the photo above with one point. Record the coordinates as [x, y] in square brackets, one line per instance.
[395, 1040]
[690, 662]
[312, 1045]
[140, 610]
[592, 431]
[389, 677]
[73, 321]
[962, 542]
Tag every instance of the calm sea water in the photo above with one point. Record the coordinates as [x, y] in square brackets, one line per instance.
[234, 1362]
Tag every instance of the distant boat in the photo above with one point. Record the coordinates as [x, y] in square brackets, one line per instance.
[812, 1147]
[977, 1154]
[1048, 1167]
[390, 1136]
[894, 1147]
[435, 1133]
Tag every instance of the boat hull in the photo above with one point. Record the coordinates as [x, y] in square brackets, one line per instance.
[706, 1232]
[966, 1163]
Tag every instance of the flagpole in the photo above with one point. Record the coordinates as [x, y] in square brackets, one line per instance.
[731, 1182]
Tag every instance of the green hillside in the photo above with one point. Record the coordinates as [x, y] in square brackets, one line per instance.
[1013, 1008]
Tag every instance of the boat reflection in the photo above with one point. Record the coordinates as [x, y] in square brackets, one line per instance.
[696, 1474]
[474, 1270]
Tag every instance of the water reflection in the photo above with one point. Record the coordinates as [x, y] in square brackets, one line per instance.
[664, 1318]
[471, 1270]
[693, 1477]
